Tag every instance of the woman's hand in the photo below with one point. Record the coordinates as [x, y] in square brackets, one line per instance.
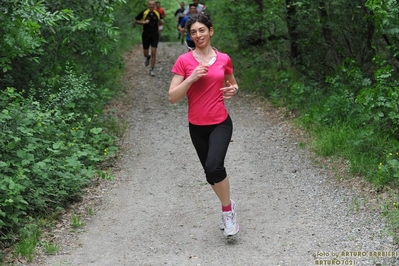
[199, 72]
[230, 91]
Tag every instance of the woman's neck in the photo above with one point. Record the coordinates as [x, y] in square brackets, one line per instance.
[205, 52]
[207, 55]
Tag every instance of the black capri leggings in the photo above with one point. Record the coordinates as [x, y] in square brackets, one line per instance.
[211, 143]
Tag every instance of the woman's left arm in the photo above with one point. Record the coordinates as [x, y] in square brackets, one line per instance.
[231, 88]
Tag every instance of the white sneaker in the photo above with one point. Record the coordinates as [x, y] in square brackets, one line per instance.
[152, 73]
[230, 221]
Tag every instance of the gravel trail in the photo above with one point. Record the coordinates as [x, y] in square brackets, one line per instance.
[160, 210]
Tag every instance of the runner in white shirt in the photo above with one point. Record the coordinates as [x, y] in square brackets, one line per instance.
[200, 7]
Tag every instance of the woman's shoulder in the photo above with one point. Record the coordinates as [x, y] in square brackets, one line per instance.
[186, 57]
[184, 61]
[223, 55]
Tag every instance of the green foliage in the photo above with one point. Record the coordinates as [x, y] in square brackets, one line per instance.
[47, 157]
[21, 24]
[338, 105]
[388, 171]
[76, 222]
[355, 119]
[252, 68]
[332, 141]
[343, 84]
[385, 14]
[71, 91]
[50, 248]
[386, 20]
[246, 23]
[361, 148]
[58, 32]
[381, 101]
[26, 247]
[54, 137]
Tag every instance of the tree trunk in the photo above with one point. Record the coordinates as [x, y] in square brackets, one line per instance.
[292, 31]
[327, 33]
[260, 5]
[369, 52]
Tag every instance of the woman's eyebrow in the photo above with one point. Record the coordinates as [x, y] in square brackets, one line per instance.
[202, 28]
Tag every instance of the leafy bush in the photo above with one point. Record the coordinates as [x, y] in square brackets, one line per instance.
[47, 157]
[388, 170]
[72, 92]
[59, 67]
[381, 101]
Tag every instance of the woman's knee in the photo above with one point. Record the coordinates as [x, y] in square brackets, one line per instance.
[215, 175]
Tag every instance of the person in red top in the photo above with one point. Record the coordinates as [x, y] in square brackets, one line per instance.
[162, 12]
[206, 77]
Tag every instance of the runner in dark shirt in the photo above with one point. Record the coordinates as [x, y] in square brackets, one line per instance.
[150, 19]
[179, 15]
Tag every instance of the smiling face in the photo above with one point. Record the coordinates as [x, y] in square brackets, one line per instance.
[200, 28]
[200, 34]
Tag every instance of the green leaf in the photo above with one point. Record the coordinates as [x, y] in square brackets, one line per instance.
[57, 145]
[96, 130]
[21, 153]
[11, 145]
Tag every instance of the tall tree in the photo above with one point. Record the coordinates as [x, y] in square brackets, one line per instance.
[293, 33]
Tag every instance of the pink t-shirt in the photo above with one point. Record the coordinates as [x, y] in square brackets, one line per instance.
[205, 99]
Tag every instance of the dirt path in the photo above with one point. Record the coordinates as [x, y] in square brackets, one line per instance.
[160, 211]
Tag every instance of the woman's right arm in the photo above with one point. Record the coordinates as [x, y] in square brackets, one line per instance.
[178, 88]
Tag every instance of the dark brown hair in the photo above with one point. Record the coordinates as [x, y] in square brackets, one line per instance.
[201, 18]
